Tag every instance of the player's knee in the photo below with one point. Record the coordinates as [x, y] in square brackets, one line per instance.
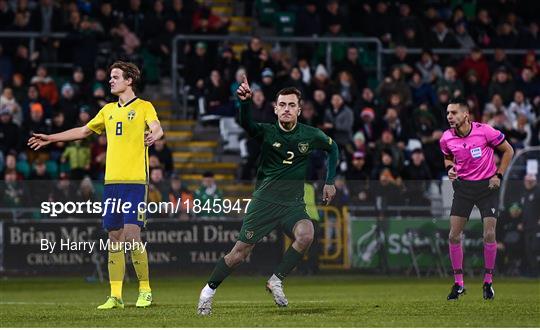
[304, 239]
[454, 237]
[489, 235]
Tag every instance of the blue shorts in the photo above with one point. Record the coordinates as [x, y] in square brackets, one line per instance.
[119, 194]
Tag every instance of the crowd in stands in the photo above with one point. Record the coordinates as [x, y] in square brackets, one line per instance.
[387, 130]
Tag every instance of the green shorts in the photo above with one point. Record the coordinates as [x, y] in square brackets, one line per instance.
[262, 217]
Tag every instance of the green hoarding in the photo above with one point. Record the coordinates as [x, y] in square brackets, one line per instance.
[430, 248]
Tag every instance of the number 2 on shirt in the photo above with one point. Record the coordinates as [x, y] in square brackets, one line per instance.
[289, 159]
[119, 128]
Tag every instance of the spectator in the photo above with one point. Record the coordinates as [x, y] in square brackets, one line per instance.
[134, 18]
[475, 61]
[206, 22]
[400, 58]
[441, 37]
[7, 99]
[358, 178]
[6, 15]
[338, 49]
[128, 40]
[207, 193]
[164, 154]
[421, 91]
[510, 241]
[36, 124]
[58, 125]
[474, 90]
[86, 192]
[395, 84]
[321, 79]
[352, 65]
[463, 37]
[98, 153]
[40, 188]
[399, 128]
[157, 186]
[451, 82]
[179, 194]
[308, 24]
[68, 105]
[198, 66]
[305, 70]
[411, 38]
[483, 31]
[368, 126]
[527, 83]
[417, 176]
[161, 43]
[217, 96]
[227, 65]
[46, 85]
[254, 59]
[500, 60]
[347, 88]
[429, 70]
[385, 146]
[308, 21]
[9, 131]
[80, 85]
[78, 155]
[506, 36]
[530, 38]
[107, 17]
[295, 80]
[33, 97]
[339, 120]
[520, 106]
[530, 199]
[309, 116]
[503, 85]
[12, 192]
[320, 102]
[63, 191]
[407, 20]
[181, 15]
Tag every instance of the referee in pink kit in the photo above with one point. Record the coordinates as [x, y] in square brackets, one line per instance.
[468, 149]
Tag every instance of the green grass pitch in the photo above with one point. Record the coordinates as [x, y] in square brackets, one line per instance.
[320, 301]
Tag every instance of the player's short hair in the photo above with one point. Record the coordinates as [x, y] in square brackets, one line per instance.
[129, 70]
[461, 102]
[289, 91]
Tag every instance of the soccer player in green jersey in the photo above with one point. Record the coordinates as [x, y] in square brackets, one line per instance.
[278, 199]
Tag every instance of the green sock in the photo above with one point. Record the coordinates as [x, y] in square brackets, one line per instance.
[219, 274]
[290, 260]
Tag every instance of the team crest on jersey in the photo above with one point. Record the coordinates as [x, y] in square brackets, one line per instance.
[131, 114]
[303, 147]
[249, 234]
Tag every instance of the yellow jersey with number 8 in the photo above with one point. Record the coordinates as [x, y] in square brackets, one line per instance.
[125, 125]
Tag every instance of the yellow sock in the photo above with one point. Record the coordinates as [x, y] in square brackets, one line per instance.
[140, 263]
[117, 268]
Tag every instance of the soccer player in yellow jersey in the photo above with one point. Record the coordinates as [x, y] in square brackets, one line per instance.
[131, 125]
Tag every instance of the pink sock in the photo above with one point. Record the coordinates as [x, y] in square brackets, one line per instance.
[456, 256]
[490, 252]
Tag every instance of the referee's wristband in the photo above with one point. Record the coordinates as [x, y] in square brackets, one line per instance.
[499, 175]
[449, 167]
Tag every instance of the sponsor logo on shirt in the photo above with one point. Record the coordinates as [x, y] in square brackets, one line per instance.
[276, 145]
[476, 152]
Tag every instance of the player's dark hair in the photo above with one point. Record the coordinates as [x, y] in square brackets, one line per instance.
[289, 91]
[461, 102]
[129, 70]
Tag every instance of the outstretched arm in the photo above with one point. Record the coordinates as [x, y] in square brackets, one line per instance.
[38, 141]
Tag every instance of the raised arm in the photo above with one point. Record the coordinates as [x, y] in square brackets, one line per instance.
[38, 141]
[246, 121]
